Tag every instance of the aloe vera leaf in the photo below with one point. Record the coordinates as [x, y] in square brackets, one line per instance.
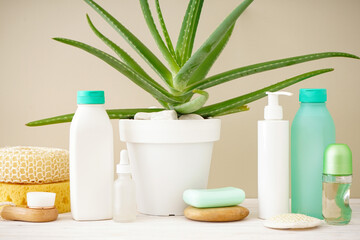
[113, 114]
[262, 67]
[164, 104]
[164, 30]
[194, 104]
[186, 72]
[119, 51]
[149, 85]
[135, 43]
[234, 110]
[222, 107]
[188, 29]
[124, 56]
[208, 62]
[154, 32]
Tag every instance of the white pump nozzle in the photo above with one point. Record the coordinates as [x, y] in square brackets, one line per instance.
[123, 166]
[273, 111]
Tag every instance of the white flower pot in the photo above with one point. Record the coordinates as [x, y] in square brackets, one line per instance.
[167, 157]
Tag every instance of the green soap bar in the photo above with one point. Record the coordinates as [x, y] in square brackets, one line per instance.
[210, 198]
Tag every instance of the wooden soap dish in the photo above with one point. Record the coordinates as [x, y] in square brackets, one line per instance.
[29, 214]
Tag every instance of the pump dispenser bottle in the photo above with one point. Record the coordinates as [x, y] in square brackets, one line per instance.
[124, 191]
[273, 159]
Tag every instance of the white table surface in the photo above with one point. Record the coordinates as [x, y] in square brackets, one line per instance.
[178, 227]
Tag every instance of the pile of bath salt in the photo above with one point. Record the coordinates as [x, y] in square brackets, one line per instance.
[292, 220]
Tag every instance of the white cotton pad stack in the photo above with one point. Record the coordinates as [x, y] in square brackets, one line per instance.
[292, 220]
[40, 199]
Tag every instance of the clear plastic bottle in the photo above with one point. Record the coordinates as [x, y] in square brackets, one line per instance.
[91, 159]
[312, 131]
[124, 192]
[337, 178]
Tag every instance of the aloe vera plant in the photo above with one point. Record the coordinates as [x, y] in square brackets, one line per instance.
[185, 75]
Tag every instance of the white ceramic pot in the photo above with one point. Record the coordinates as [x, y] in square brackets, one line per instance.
[167, 157]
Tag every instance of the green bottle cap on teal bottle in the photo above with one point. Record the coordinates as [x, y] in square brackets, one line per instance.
[90, 97]
[337, 160]
[313, 95]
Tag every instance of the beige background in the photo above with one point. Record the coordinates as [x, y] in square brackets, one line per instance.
[39, 77]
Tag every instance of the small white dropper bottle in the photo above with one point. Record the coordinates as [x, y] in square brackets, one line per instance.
[124, 191]
[273, 159]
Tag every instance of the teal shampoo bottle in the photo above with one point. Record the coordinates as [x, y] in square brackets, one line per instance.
[312, 131]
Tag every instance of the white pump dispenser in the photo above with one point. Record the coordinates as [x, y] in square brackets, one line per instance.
[273, 110]
[273, 159]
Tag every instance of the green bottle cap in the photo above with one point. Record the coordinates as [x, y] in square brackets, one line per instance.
[337, 160]
[90, 97]
[312, 95]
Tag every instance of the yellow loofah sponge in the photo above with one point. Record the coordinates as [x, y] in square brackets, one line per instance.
[32, 165]
[16, 193]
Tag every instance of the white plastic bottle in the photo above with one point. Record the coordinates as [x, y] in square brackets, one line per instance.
[124, 192]
[91, 159]
[273, 159]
